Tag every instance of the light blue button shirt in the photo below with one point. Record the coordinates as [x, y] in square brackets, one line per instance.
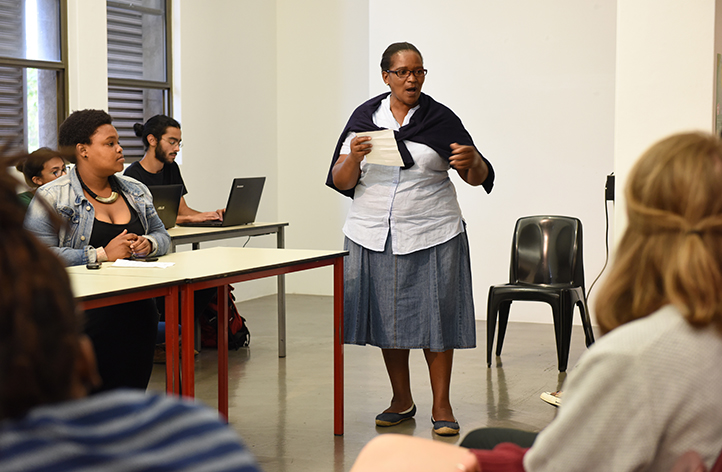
[417, 206]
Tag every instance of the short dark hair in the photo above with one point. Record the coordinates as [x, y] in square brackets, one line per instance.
[78, 129]
[393, 49]
[155, 126]
[32, 165]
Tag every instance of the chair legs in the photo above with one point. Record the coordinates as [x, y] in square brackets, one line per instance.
[504, 308]
[563, 311]
[586, 322]
[493, 309]
[490, 331]
[563, 330]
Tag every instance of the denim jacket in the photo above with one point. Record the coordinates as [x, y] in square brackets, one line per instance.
[71, 244]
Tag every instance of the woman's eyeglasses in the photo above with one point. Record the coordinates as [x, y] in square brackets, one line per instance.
[403, 73]
[58, 172]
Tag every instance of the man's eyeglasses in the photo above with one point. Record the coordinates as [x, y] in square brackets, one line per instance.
[173, 142]
[403, 73]
[58, 172]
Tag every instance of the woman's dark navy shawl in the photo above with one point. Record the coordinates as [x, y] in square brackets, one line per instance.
[433, 124]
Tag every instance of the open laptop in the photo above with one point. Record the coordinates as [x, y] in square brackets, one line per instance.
[242, 203]
[166, 200]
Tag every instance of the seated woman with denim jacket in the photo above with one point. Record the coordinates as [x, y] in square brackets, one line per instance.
[108, 217]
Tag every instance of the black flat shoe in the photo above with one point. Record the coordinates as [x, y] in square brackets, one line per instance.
[445, 428]
[392, 419]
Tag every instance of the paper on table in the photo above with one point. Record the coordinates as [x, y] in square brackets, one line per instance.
[143, 264]
[385, 151]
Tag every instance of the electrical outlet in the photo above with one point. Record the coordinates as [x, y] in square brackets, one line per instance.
[609, 188]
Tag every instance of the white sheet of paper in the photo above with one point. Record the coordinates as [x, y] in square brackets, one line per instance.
[142, 264]
[385, 151]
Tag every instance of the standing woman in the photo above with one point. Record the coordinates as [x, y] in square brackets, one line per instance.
[108, 217]
[39, 167]
[408, 273]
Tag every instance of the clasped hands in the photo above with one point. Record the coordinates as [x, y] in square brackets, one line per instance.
[126, 245]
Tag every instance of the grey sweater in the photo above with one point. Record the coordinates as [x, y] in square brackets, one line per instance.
[639, 398]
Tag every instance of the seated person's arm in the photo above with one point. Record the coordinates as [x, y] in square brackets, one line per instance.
[39, 223]
[399, 453]
[189, 215]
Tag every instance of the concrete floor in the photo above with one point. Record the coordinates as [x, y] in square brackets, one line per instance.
[283, 408]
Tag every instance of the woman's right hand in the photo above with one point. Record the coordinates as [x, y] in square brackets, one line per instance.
[347, 169]
[119, 246]
[360, 146]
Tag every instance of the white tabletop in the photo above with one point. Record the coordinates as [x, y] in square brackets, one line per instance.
[86, 284]
[192, 266]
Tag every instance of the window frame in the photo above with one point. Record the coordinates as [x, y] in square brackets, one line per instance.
[59, 67]
[164, 85]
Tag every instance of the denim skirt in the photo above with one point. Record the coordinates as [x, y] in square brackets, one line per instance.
[421, 300]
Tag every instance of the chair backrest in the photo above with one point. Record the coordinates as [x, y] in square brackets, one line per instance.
[547, 250]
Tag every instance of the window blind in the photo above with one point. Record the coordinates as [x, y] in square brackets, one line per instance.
[12, 88]
[125, 60]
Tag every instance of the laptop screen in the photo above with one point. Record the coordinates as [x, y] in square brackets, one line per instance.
[242, 205]
[166, 200]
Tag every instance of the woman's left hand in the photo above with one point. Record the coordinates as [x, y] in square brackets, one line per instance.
[464, 157]
[468, 163]
[141, 247]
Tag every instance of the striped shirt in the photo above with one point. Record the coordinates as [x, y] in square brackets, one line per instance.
[122, 430]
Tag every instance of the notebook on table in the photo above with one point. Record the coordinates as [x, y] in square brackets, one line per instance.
[242, 206]
[166, 200]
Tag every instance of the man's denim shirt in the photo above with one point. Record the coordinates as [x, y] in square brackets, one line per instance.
[71, 244]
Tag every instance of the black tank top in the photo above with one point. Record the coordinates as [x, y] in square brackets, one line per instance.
[103, 232]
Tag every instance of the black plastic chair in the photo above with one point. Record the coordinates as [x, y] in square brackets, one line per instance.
[546, 266]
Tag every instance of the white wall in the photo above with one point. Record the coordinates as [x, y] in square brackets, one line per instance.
[533, 83]
[87, 55]
[322, 77]
[665, 76]
[229, 108]
[717, 40]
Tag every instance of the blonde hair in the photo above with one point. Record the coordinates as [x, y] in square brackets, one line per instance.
[671, 251]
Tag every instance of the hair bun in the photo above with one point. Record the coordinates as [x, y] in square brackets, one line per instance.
[20, 165]
[138, 128]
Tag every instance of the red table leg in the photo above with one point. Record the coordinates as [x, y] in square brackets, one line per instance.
[338, 347]
[187, 342]
[223, 350]
[172, 366]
